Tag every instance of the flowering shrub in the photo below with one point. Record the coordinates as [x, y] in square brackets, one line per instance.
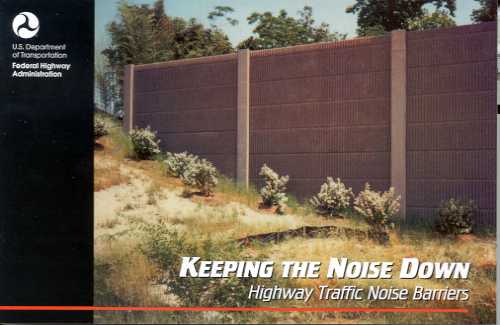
[200, 174]
[273, 192]
[456, 217]
[144, 143]
[176, 163]
[100, 128]
[377, 208]
[333, 198]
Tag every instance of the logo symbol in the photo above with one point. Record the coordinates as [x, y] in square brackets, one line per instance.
[25, 25]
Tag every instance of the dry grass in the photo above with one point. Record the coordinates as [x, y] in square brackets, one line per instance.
[481, 282]
[107, 173]
[109, 152]
[130, 193]
[125, 275]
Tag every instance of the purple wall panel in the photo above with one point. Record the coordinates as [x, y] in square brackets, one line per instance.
[192, 106]
[324, 110]
[319, 111]
[451, 119]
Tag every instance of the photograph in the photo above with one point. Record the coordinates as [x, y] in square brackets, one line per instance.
[249, 162]
[305, 161]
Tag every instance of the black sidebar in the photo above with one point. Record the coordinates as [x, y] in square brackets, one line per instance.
[46, 154]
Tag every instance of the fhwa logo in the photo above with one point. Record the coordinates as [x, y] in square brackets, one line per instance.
[25, 25]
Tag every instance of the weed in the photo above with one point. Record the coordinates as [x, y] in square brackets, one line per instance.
[238, 192]
[110, 223]
[166, 247]
[128, 207]
[153, 194]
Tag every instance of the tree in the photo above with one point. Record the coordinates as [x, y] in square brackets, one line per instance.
[105, 84]
[486, 12]
[164, 31]
[146, 34]
[222, 12]
[438, 19]
[193, 40]
[375, 30]
[389, 15]
[132, 37]
[283, 30]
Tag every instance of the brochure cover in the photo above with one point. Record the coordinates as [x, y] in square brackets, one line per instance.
[309, 162]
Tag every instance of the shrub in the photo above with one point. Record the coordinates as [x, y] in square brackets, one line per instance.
[122, 144]
[144, 143]
[200, 174]
[273, 192]
[166, 247]
[456, 217]
[333, 198]
[176, 163]
[377, 208]
[123, 276]
[100, 128]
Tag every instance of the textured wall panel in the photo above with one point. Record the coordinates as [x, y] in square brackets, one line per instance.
[322, 110]
[339, 139]
[451, 46]
[451, 120]
[186, 99]
[463, 135]
[451, 107]
[200, 142]
[423, 192]
[467, 77]
[192, 105]
[322, 114]
[349, 165]
[189, 120]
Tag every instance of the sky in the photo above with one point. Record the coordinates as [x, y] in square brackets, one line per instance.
[328, 11]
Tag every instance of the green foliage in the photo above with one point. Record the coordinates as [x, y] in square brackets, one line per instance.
[132, 37]
[438, 19]
[222, 12]
[283, 30]
[122, 145]
[375, 30]
[103, 292]
[193, 171]
[144, 143]
[298, 207]
[456, 217]
[393, 14]
[193, 40]
[145, 34]
[333, 198]
[166, 247]
[176, 163]
[486, 12]
[249, 195]
[200, 174]
[378, 209]
[273, 192]
[100, 128]
[107, 91]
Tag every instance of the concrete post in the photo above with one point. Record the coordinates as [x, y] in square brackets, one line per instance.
[398, 116]
[243, 117]
[128, 98]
